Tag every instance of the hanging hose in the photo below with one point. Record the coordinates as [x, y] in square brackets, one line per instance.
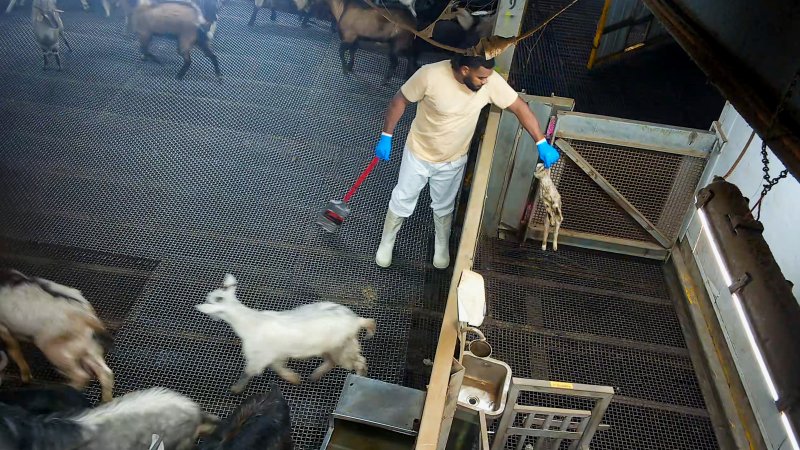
[741, 154]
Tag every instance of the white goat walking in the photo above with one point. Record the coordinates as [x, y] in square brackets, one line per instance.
[552, 204]
[269, 338]
[48, 29]
[60, 322]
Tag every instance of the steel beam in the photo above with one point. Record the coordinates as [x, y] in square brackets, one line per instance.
[743, 88]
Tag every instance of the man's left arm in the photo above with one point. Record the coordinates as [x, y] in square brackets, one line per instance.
[528, 120]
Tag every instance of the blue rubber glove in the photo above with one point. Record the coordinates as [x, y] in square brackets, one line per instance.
[547, 153]
[384, 147]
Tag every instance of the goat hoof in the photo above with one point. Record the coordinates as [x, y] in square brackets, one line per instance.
[294, 378]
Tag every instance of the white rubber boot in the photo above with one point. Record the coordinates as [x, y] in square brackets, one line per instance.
[441, 250]
[383, 257]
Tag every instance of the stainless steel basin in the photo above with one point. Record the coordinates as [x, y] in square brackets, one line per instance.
[485, 386]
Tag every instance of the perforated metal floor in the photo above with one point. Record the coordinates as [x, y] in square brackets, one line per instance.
[589, 317]
[143, 191]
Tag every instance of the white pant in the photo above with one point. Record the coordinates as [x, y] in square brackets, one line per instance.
[445, 179]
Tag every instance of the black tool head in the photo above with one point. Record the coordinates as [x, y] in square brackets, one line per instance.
[333, 216]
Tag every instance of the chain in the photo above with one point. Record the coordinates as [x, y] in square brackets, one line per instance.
[771, 182]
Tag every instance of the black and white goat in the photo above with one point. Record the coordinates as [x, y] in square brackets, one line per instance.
[128, 422]
[270, 338]
[262, 422]
[60, 322]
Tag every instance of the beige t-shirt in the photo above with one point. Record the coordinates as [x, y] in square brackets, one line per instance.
[447, 111]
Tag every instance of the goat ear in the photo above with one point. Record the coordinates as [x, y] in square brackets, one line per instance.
[229, 281]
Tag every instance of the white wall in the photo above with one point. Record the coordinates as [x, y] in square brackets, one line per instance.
[780, 211]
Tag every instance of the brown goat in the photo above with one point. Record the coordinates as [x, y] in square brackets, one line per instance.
[181, 19]
[358, 22]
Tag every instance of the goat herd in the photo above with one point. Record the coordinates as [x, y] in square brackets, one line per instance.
[193, 23]
[64, 326]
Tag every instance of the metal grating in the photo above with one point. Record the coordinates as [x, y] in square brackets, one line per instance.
[575, 266]
[588, 317]
[590, 311]
[112, 163]
[660, 185]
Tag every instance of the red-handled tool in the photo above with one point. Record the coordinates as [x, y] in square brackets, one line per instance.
[332, 218]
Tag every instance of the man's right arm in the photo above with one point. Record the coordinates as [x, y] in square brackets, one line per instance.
[397, 106]
[412, 90]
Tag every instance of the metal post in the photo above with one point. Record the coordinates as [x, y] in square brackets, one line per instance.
[507, 23]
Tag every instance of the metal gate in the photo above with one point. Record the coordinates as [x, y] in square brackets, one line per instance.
[625, 185]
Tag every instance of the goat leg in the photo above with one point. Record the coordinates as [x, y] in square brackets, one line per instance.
[306, 16]
[351, 63]
[107, 8]
[85, 5]
[44, 56]
[343, 56]
[144, 48]
[12, 345]
[187, 61]
[252, 20]
[241, 383]
[58, 59]
[250, 371]
[286, 373]
[66, 43]
[104, 375]
[392, 66]
[546, 230]
[203, 44]
[555, 234]
[273, 16]
[327, 365]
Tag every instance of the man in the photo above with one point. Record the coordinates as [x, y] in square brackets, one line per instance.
[449, 97]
